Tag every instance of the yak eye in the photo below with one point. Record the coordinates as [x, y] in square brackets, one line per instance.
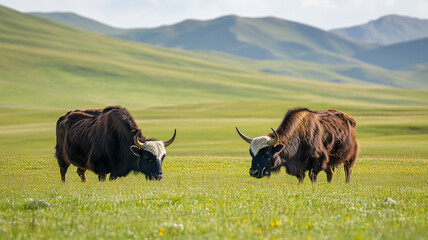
[267, 153]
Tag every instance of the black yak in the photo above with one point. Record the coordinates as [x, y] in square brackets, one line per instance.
[107, 141]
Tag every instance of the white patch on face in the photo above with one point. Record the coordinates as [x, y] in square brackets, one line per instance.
[259, 143]
[156, 148]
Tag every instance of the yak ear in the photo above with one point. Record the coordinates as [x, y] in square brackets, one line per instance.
[278, 148]
[135, 150]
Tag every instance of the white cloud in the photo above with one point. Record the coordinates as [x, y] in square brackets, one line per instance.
[327, 4]
[390, 3]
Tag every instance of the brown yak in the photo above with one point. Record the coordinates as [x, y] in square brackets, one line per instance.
[306, 140]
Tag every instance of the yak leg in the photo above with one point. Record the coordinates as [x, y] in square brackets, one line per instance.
[349, 165]
[330, 173]
[313, 175]
[63, 166]
[63, 171]
[82, 174]
[102, 177]
[301, 177]
[318, 164]
[112, 177]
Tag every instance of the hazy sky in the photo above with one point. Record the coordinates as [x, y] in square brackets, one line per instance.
[325, 14]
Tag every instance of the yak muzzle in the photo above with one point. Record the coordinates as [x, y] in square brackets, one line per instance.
[259, 174]
[156, 177]
[255, 173]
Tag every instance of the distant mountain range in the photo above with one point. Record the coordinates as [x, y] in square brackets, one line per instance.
[387, 30]
[282, 47]
[398, 56]
[257, 38]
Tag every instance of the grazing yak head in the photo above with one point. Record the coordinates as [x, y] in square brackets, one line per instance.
[150, 156]
[264, 153]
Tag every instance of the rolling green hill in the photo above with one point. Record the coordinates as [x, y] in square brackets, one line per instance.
[387, 30]
[48, 65]
[293, 49]
[77, 21]
[360, 73]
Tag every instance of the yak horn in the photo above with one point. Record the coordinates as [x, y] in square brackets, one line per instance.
[169, 142]
[273, 141]
[247, 139]
[137, 142]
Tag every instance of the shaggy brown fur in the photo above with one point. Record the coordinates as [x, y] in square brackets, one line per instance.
[316, 141]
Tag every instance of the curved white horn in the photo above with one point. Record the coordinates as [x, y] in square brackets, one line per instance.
[247, 139]
[137, 142]
[170, 141]
[273, 141]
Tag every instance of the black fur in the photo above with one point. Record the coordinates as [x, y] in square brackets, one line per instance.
[99, 140]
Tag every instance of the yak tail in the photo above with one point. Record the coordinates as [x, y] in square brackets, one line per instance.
[352, 123]
[61, 130]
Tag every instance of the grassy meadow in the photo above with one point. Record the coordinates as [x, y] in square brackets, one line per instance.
[47, 69]
[207, 191]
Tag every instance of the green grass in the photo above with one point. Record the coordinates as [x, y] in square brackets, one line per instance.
[207, 192]
[213, 197]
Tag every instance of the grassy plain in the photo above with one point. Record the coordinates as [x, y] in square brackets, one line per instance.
[207, 192]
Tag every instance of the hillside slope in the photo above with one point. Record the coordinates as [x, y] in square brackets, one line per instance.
[299, 61]
[387, 30]
[77, 21]
[363, 74]
[47, 65]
